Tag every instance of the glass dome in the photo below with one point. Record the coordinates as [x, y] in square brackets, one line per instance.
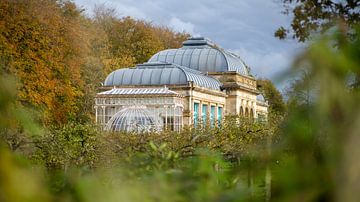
[201, 54]
[134, 119]
[260, 98]
[159, 73]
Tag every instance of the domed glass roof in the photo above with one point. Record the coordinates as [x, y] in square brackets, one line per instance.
[260, 98]
[201, 54]
[134, 119]
[160, 74]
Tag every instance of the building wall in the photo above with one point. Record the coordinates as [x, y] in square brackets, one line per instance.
[262, 108]
[241, 91]
[203, 97]
[262, 111]
[237, 98]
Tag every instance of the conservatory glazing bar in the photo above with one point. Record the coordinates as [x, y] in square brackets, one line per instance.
[161, 110]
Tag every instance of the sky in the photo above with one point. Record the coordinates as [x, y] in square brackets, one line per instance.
[245, 27]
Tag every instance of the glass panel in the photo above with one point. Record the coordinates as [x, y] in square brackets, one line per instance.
[196, 113]
[211, 66]
[178, 57]
[220, 111]
[204, 113]
[173, 117]
[165, 76]
[194, 64]
[127, 77]
[155, 76]
[212, 116]
[136, 78]
[203, 60]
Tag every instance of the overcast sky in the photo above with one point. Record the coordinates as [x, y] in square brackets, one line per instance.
[245, 27]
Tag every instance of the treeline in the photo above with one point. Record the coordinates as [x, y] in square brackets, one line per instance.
[59, 56]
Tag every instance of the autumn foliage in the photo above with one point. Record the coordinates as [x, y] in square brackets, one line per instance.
[60, 56]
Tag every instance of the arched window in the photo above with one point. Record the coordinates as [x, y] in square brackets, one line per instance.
[241, 111]
[246, 112]
[251, 113]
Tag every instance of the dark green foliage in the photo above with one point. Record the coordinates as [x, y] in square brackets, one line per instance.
[321, 129]
[201, 164]
[311, 16]
[273, 96]
[73, 145]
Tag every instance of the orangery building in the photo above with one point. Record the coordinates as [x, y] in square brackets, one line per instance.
[197, 84]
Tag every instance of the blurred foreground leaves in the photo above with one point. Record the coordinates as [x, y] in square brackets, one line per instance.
[317, 154]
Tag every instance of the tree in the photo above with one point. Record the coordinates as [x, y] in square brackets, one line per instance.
[132, 41]
[42, 45]
[59, 56]
[169, 38]
[129, 41]
[318, 15]
[272, 95]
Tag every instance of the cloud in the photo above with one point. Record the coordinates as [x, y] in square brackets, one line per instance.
[132, 11]
[181, 26]
[246, 26]
[269, 65]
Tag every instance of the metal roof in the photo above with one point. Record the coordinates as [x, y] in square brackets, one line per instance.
[139, 91]
[160, 74]
[201, 54]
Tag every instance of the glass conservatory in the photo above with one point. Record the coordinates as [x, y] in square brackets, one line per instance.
[139, 110]
[197, 84]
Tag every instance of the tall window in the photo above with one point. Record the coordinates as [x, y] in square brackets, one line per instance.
[220, 111]
[196, 113]
[212, 116]
[241, 111]
[204, 113]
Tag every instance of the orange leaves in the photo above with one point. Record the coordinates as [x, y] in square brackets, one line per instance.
[45, 55]
[131, 41]
[60, 56]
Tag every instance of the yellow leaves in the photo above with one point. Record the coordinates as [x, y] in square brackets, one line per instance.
[136, 38]
[46, 56]
[111, 64]
[134, 41]
[60, 56]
